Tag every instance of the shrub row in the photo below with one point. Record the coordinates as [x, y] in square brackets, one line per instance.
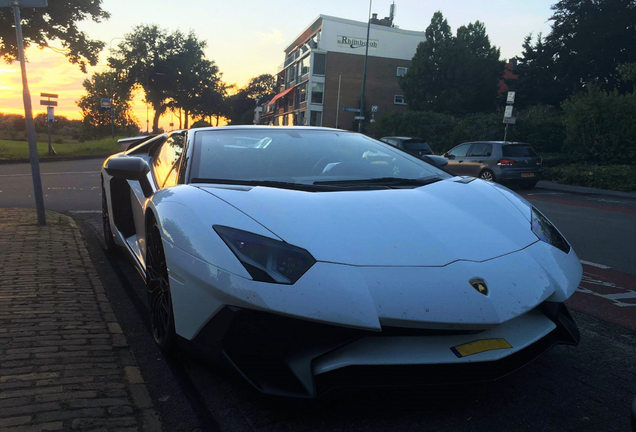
[540, 125]
[612, 177]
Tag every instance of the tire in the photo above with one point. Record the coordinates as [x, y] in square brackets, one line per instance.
[487, 175]
[108, 233]
[528, 186]
[158, 291]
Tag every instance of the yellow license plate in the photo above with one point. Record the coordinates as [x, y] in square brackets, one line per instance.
[527, 175]
[479, 346]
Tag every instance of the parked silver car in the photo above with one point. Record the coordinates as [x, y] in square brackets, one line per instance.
[503, 162]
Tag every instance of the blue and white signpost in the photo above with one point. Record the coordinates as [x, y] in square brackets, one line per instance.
[28, 110]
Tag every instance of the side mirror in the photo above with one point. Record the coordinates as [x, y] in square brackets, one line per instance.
[436, 161]
[130, 168]
[127, 168]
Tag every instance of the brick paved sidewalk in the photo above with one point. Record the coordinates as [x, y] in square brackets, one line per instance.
[64, 362]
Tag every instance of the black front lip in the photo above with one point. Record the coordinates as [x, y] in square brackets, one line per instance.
[275, 353]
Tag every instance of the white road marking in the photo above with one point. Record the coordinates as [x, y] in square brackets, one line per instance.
[601, 266]
[85, 211]
[52, 173]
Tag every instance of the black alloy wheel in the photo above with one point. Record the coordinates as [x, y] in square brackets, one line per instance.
[487, 175]
[108, 233]
[158, 289]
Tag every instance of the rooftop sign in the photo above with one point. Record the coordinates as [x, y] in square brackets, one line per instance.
[356, 42]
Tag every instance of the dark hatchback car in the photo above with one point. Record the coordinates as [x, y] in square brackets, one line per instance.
[417, 147]
[503, 162]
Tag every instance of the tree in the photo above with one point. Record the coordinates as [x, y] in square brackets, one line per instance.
[589, 40]
[57, 22]
[96, 121]
[261, 86]
[170, 68]
[197, 79]
[451, 74]
[537, 79]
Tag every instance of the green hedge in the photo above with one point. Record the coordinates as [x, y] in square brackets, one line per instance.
[540, 126]
[612, 177]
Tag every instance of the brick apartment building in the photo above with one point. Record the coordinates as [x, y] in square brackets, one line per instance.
[321, 77]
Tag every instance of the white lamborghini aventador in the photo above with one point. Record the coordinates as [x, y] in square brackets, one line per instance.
[310, 258]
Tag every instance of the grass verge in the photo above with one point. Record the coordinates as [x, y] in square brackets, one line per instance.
[20, 149]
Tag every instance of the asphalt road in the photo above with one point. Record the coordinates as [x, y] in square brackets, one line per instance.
[587, 388]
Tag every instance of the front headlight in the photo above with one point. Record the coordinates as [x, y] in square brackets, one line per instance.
[265, 259]
[545, 231]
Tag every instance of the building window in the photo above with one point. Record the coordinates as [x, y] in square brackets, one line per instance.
[399, 100]
[319, 64]
[401, 71]
[302, 118]
[303, 66]
[316, 118]
[317, 92]
[302, 92]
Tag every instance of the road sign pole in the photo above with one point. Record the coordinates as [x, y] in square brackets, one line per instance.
[506, 133]
[28, 115]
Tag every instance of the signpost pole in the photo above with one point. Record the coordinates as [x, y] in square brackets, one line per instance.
[364, 75]
[28, 115]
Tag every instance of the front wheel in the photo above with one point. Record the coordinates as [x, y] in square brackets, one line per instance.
[487, 175]
[158, 289]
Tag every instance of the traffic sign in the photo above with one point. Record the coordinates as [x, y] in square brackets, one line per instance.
[510, 120]
[359, 117]
[48, 102]
[105, 104]
[48, 95]
[374, 108]
[511, 98]
[24, 3]
[508, 112]
[352, 110]
[50, 114]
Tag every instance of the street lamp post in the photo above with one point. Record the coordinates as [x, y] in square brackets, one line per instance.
[364, 75]
[112, 96]
[28, 109]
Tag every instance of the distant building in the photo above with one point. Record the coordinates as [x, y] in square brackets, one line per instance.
[320, 81]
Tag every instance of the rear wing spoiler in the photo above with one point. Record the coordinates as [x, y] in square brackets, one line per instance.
[126, 143]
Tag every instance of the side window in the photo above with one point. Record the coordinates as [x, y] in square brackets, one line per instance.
[390, 142]
[481, 149]
[165, 165]
[460, 150]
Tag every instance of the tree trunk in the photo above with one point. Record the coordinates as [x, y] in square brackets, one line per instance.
[155, 122]
[187, 118]
[180, 125]
[217, 119]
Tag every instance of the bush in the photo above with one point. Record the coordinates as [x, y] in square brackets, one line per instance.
[541, 126]
[478, 127]
[199, 124]
[612, 177]
[435, 128]
[600, 126]
[59, 141]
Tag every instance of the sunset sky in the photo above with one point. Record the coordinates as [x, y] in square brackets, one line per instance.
[246, 37]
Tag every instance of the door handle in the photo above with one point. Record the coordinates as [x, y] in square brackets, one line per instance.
[480, 161]
[460, 161]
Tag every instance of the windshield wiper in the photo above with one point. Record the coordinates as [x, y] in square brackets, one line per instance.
[265, 183]
[385, 181]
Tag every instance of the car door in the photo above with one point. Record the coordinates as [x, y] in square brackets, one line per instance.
[164, 173]
[476, 158]
[456, 158]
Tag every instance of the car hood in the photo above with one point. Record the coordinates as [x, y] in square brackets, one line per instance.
[432, 225]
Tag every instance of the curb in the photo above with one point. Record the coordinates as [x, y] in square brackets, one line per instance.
[55, 159]
[580, 190]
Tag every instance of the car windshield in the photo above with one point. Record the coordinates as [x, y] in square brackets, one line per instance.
[518, 150]
[301, 157]
[416, 145]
